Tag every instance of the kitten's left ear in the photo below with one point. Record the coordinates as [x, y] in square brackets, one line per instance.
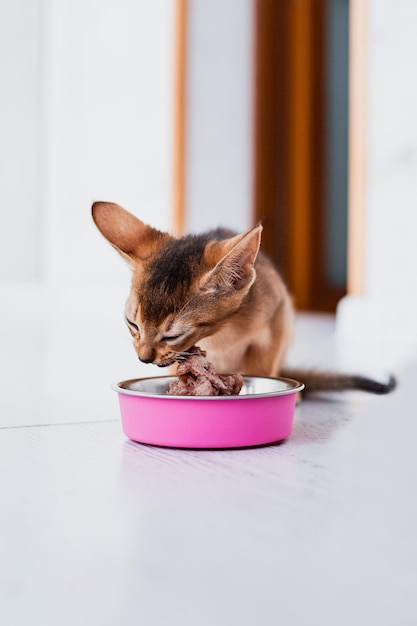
[233, 262]
[133, 239]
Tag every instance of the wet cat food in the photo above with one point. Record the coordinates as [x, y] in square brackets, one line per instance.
[197, 377]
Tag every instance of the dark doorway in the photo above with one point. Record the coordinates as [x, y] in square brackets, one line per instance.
[301, 137]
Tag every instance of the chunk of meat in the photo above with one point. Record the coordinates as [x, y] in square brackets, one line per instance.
[197, 377]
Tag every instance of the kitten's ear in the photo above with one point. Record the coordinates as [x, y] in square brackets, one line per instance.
[232, 261]
[130, 236]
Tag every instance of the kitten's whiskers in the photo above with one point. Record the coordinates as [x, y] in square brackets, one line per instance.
[182, 356]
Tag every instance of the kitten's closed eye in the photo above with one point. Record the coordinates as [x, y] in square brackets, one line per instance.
[171, 337]
[132, 325]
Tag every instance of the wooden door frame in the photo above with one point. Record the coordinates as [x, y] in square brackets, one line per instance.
[180, 115]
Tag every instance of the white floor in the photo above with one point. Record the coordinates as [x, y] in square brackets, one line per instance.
[95, 529]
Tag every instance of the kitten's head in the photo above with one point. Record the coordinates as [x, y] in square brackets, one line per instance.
[183, 289]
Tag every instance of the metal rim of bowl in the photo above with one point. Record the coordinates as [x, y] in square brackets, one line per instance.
[294, 386]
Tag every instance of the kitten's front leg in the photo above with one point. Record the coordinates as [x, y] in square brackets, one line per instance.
[224, 352]
[261, 360]
[266, 353]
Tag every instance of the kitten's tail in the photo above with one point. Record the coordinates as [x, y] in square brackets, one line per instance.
[332, 381]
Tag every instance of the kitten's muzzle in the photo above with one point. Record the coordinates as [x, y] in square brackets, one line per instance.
[152, 360]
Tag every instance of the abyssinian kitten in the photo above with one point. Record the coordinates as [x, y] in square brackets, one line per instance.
[216, 290]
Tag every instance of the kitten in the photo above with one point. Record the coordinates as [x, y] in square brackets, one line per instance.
[216, 290]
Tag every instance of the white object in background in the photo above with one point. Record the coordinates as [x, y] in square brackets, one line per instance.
[372, 336]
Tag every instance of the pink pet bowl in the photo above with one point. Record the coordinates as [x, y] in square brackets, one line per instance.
[262, 413]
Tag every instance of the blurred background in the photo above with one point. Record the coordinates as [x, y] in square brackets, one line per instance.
[192, 114]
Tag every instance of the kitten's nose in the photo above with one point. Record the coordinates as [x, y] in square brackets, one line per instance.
[146, 355]
[147, 360]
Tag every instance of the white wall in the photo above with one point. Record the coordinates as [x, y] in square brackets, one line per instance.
[392, 151]
[385, 315]
[219, 114]
[19, 138]
[107, 124]
[85, 114]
